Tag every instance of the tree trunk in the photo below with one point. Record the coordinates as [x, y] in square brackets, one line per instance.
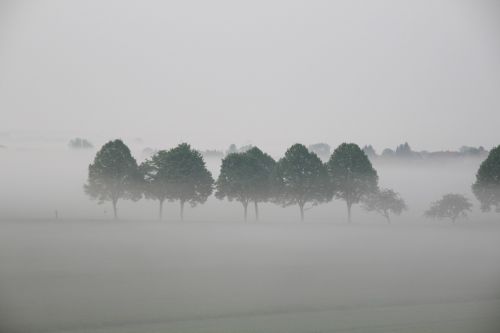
[349, 205]
[115, 211]
[160, 213]
[245, 210]
[301, 206]
[256, 210]
[182, 210]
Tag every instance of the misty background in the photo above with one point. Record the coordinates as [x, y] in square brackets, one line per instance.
[270, 73]
[42, 179]
[263, 73]
[266, 73]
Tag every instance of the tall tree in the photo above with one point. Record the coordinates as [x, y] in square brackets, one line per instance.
[154, 173]
[113, 175]
[487, 185]
[385, 202]
[300, 178]
[186, 176]
[262, 185]
[246, 177]
[351, 175]
[236, 179]
[450, 206]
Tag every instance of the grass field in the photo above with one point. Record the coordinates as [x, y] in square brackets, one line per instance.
[140, 276]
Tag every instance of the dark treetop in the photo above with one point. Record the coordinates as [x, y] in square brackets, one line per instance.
[487, 185]
[351, 174]
[186, 177]
[246, 177]
[113, 175]
[300, 177]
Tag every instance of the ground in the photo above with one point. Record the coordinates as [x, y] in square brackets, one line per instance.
[143, 276]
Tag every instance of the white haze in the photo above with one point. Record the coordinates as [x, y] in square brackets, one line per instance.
[39, 180]
[269, 73]
[214, 272]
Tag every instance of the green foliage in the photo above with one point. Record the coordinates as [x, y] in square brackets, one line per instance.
[246, 177]
[352, 175]
[487, 185]
[154, 173]
[300, 177]
[384, 202]
[236, 177]
[184, 176]
[114, 175]
[155, 181]
[450, 206]
[261, 190]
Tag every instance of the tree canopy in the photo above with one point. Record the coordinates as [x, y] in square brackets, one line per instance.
[450, 206]
[185, 176]
[235, 179]
[114, 175]
[385, 202]
[154, 173]
[262, 190]
[487, 185]
[246, 177]
[351, 174]
[300, 177]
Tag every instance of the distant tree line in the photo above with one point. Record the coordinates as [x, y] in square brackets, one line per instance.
[405, 152]
[79, 143]
[250, 176]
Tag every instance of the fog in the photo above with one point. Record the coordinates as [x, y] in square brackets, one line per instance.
[214, 272]
[40, 179]
[265, 73]
[268, 72]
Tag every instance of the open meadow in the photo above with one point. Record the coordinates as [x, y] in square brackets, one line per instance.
[272, 276]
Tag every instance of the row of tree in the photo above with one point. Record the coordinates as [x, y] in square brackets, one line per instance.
[405, 152]
[252, 177]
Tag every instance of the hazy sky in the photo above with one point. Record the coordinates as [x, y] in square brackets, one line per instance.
[267, 72]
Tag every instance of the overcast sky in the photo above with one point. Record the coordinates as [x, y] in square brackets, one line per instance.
[268, 72]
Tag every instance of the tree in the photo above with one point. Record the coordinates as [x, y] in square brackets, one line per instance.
[384, 202]
[370, 151]
[388, 153]
[235, 179]
[232, 149]
[472, 151]
[487, 185]
[246, 177]
[262, 189]
[450, 206]
[113, 175]
[321, 149]
[300, 177]
[404, 151]
[186, 176]
[351, 175]
[154, 173]
[79, 143]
